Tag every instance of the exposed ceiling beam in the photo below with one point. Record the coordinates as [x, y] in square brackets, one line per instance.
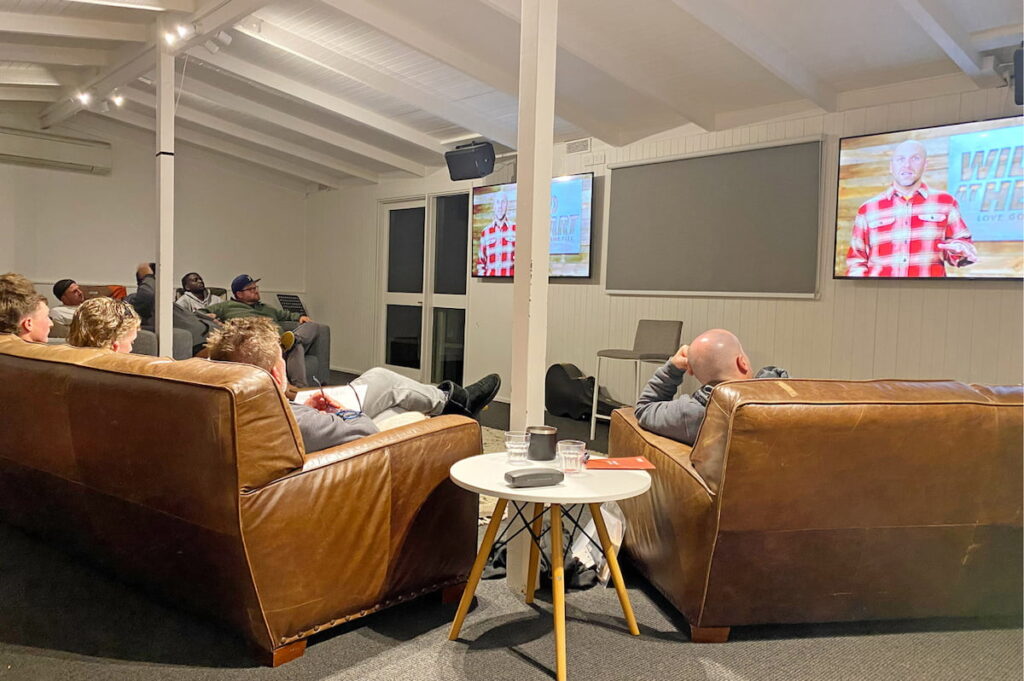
[372, 75]
[998, 37]
[26, 74]
[938, 22]
[401, 28]
[67, 27]
[206, 22]
[305, 94]
[152, 5]
[304, 127]
[214, 143]
[18, 93]
[722, 17]
[629, 78]
[243, 133]
[50, 55]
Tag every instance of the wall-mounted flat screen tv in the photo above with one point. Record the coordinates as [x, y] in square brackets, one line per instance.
[494, 228]
[939, 202]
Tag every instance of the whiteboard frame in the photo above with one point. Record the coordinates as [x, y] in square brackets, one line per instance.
[825, 140]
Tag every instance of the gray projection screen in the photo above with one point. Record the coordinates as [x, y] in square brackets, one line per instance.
[738, 223]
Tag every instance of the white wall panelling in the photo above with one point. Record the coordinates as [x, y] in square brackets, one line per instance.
[231, 217]
[856, 329]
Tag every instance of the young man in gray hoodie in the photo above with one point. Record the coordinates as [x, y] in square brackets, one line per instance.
[713, 357]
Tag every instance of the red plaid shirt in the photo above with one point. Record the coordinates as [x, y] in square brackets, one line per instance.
[497, 254]
[895, 236]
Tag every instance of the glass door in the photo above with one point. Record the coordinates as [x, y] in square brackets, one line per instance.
[403, 287]
[425, 274]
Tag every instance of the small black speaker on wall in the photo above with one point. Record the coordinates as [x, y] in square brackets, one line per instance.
[470, 161]
[1018, 71]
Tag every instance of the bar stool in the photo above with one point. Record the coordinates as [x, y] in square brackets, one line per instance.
[656, 340]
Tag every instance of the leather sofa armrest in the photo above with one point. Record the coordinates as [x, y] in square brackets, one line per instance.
[379, 524]
[385, 438]
[677, 452]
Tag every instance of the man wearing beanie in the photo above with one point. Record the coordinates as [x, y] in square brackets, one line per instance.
[70, 296]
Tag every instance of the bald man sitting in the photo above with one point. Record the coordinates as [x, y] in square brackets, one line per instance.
[713, 357]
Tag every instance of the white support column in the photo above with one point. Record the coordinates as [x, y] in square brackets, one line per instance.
[165, 202]
[537, 46]
[537, 50]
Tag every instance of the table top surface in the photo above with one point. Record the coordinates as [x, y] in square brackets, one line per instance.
[485, 474]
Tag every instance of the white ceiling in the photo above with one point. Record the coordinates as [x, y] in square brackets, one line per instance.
[352, 91]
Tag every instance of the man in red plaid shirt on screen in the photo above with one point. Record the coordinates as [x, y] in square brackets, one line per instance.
[496, 255]
[910, 229]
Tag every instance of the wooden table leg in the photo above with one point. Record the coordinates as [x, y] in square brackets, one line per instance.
[613, 566]
[558, 590]
[478, 568]
[531, 575]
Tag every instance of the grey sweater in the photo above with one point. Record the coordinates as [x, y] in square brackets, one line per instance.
[321, 430]
[658, 412]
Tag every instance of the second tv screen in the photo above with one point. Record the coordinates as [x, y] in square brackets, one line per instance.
[494, 228]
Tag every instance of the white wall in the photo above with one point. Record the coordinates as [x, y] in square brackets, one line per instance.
[970, 331]
[230, 217]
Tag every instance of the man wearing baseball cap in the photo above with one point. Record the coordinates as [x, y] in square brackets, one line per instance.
[70, 296]
[245, 302]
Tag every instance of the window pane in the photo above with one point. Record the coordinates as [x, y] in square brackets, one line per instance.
[405, 250]
[402, 337]
[449, 335]
[450, 250]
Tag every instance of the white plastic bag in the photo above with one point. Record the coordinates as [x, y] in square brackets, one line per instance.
[591, 555]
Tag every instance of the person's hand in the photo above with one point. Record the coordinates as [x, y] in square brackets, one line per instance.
[209, 314]
[303, 319]
[955, 249]
[679, 360]
[322, 402]
[143, 270]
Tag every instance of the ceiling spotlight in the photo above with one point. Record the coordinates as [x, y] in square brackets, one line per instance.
[118, 100]
[224, 37]
[170, 38]
[212, 46]
[84, 98]
[185, 30]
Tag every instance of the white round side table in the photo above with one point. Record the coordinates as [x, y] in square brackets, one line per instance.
[485, 474]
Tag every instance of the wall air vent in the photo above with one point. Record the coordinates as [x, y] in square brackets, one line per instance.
[578, 146]
[43, 150]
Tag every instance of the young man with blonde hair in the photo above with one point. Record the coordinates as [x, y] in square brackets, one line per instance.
[105, 323]
[322, 422]
[23, 311]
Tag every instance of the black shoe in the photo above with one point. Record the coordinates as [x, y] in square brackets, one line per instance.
[472, 399]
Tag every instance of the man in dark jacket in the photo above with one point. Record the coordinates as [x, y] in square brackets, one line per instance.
[198, 325]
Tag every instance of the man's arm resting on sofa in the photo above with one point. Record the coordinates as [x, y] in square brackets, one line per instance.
[321, 430]
[658, 411]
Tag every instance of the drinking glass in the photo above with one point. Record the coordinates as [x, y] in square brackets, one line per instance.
[570, 455]
[517, 444]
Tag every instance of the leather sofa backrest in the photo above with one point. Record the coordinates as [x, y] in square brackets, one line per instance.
[183, 437]
[938, 450]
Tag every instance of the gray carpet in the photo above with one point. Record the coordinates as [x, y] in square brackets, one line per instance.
[60, 619]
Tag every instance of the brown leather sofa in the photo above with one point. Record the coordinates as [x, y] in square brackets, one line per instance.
[819, 501]
[190, 479]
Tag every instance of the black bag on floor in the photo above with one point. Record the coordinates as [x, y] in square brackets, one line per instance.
[568, 393]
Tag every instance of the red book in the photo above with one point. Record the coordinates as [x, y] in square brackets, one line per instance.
[629, 463]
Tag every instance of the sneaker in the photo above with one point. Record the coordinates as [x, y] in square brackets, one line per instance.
[287, 341]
